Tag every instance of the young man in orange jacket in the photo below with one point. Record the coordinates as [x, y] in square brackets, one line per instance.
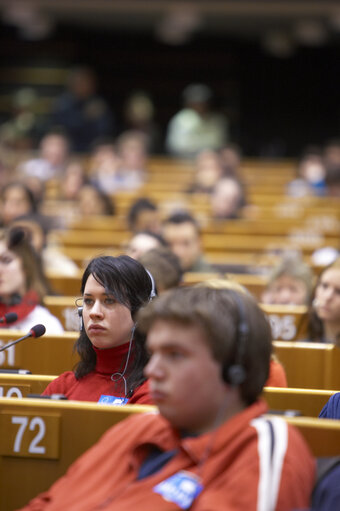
[211, 447]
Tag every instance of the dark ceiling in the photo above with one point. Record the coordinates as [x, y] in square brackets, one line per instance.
[277, 24]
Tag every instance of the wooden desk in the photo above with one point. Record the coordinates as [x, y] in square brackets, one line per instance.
[309, 402]
[288, 322]
[32, 459]
[310, 365]
[19, 385]
[50, 354]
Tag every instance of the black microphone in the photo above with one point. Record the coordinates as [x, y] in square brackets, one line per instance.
[36, 331]
[8, 318]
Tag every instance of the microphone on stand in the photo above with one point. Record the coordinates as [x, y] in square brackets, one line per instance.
[36, 331]
[8, 318]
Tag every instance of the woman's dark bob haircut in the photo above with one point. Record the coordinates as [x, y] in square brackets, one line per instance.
[131, 285]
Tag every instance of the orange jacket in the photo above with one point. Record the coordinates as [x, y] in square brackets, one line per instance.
[233, 462]
[277, 375]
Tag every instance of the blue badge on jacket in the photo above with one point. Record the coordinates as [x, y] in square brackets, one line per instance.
[112, 400]
[181, 488]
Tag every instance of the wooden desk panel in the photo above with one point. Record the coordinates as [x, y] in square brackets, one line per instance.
[49, 354]
[71, 428]
[310, 365]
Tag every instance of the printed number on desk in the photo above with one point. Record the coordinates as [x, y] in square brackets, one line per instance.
[7, 390]
[7, 357]
[30, 435]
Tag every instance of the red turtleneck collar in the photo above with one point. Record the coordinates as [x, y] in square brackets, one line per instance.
[111, 360]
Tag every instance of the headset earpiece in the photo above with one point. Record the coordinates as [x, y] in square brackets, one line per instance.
[235, 374]
[153, 292]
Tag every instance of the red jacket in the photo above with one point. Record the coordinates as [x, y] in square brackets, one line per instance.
[233, 463]
[277, 375]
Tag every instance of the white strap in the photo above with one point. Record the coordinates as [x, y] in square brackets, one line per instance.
[272, 447]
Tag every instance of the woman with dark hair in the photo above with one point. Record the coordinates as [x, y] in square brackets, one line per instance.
[324, 316]
[23, 284]
[16, 199]
[111, 350]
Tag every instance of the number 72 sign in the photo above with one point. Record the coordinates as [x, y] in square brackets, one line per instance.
[30, 435]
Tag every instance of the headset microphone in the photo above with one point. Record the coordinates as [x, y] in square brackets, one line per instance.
[8, 318]
[36, 331]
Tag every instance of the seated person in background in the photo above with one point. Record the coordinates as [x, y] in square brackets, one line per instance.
[132, 151]
[277, 375]
[74, 178]
[210, 447]
[164, 266]
[208, 170]
[142, 242]
[16, 199]
[289, 283]
[111, 349]
[82, 111]
[143, 215]
[104, 163]
[53, 260]
[331, 153]
[197, 126]
[181, 231]
[332, 180]
[23, 284]
[227, 199]
[311, 175]
[231, 157]
[139, 115]
[324, 315]
[94, 202]
[52, 158]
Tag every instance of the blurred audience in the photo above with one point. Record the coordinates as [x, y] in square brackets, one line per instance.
[142, 242]
[324, 318]
[197, 126]
[311, 175]
[231, 157]
[289, 283]
[133, 155]
[143, 215]
[331, 153]
[139, 115]
[227, 198]
[16, 199]
[332, 180]
[208, 170]
[182, 233]
[164, 266]
[73, 180]
[81, 111]
[24, 127]
[36, 227]
[23, 284]
[104, 163]
[51, 160]
[92, 201]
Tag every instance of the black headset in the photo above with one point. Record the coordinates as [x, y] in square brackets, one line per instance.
[235, 374]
